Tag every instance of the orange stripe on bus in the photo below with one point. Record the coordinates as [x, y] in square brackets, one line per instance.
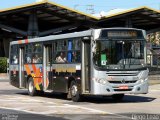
[35, 80]
[40, 80]
[26, 41]
[27, 69]
[19, 41]
[38, 74]
[35, 73]
[34, 68]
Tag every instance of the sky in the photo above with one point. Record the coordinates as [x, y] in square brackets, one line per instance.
[84, 5]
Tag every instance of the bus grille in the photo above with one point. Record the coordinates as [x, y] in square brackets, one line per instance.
[122, 82]
[117, 90]
[122, 74]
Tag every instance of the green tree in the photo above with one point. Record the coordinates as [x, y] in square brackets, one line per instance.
[3, 64]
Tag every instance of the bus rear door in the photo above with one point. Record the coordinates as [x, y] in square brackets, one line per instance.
[21, 68]
[47, 67]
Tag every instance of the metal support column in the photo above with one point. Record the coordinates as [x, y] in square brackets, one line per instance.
[33, 30]
[128, 22]
[6, 42]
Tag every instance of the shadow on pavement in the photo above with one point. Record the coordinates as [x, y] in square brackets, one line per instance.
[126, 99]
[61, 96]
[8, 114]
[97, 99]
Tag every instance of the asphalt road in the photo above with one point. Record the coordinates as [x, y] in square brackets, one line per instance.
[15, 103]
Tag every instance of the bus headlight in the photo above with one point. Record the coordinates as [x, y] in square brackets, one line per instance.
[102, 81]
[143, 80]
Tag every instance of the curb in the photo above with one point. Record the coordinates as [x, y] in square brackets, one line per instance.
[4, 76]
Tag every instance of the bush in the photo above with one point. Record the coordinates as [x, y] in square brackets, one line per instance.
[3, 64]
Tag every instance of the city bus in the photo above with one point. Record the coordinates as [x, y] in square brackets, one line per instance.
[97, 62]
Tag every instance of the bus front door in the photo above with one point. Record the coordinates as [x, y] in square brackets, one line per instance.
[85, 66]
[47, 67]
[21, 68]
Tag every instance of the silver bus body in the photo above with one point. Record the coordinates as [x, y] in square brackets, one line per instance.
[92, 80]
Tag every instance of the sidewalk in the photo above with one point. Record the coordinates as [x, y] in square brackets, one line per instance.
[154, 79]
[4, 76]
[155, 87]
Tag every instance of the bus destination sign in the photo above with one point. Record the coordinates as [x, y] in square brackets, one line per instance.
[124, 34]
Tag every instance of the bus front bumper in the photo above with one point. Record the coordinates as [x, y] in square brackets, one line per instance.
[110, 89]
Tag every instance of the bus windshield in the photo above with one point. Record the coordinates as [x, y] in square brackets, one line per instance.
[119, 54]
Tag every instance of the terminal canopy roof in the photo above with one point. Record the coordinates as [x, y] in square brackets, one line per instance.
[143, 17]
[52, 17]
[49, 16]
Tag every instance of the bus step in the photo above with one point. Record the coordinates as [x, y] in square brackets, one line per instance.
[86, 91]
[48, 91]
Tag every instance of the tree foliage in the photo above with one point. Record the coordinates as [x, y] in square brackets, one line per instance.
[3, 64]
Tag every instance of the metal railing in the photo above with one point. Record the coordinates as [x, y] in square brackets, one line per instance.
[153, 63]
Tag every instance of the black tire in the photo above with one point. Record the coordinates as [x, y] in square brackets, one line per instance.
[31, 88]
[118, 97]
[75, 94]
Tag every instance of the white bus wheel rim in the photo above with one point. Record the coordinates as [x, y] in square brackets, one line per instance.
[30, 87]
[74, 90]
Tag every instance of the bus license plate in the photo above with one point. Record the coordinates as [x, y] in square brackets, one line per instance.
[123, 87]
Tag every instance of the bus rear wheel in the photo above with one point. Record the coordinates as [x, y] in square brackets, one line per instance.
[75, 94]
[118, 97]
[31, 89]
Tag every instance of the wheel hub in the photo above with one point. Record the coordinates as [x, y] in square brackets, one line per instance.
[74, 90]
[30, 87]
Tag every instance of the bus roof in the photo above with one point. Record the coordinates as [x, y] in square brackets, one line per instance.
[65, 36]
[54, 37]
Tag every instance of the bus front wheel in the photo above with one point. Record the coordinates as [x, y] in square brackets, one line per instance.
[75, 94]
[31, 89]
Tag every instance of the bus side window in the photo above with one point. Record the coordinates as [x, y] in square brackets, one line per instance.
[28, 53]
[77, 44]
[76, 56]
[73, 55]
[37, 48]
[67, 51]
[14, 59]
[60, 54]
[14, 54]
[29, 59]
[61, 57]
[33, 53]
[37, 53]
[69, 54]
[37, 58]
